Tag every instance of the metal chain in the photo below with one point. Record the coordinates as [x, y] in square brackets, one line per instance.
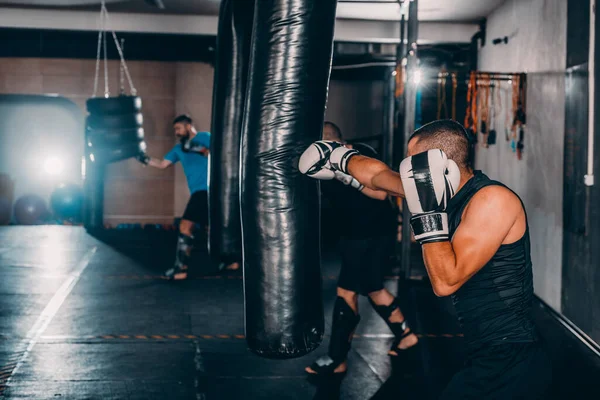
[97, 73]
[102, 43]
[106, 91]
[124, 64]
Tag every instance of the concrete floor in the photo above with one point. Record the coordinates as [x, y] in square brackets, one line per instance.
[89, 318]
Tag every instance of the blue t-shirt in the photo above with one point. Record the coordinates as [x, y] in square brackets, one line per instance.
[195, 165]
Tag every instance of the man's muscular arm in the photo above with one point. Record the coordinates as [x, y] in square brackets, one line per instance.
[374, 194]
[160, 164]
[485, 225]
[375, 175]
[326, 160]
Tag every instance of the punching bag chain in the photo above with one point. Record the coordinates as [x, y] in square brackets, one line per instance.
[100, 43]
[104, 20]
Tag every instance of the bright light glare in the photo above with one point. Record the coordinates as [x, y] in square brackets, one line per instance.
[53, 166]
[417, 77]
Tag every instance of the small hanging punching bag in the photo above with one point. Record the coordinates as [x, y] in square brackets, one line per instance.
[229, 94]
[290, 63]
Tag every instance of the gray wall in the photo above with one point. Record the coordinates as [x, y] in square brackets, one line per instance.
[537, 47]
[356, 107]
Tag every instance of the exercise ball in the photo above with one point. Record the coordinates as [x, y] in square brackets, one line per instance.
[66, 202]
[30, 210]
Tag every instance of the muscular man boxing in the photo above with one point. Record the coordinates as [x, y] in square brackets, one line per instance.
[367, 223]
[476, 247]
[192, 151]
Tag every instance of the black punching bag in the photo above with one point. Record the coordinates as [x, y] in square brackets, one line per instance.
[229, 93]
[290, 62]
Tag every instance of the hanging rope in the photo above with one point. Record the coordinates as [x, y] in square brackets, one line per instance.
[471, 114]
[454, 86]
[515, 105]
[508, 112]
[485, 110]
[491, 139]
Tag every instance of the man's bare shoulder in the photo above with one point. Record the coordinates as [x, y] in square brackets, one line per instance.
[494, 201]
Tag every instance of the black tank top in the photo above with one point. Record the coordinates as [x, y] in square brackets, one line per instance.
[494, 306]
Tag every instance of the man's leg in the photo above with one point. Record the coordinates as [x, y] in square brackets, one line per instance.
[229, 264]
[345, 312]
[507, 371]
[384, 303]
[344, 322]
[196, 211]
[183, 251]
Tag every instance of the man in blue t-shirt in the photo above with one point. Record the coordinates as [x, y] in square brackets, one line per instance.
[192, 151]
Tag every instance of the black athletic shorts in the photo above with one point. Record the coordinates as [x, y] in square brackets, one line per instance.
[507, 371]
[197, 208]
[364, 262]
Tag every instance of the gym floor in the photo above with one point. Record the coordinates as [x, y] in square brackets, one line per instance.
[85, 317]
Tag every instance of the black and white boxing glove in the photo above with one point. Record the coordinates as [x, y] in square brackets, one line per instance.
[340, 157]
[429, 180]
[314, 162]
[186, 144]
[143, 158]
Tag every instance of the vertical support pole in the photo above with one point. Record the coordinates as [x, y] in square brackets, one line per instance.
[389, 110]
[410, 93]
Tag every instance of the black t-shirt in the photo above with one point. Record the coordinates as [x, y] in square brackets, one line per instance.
[357, 215]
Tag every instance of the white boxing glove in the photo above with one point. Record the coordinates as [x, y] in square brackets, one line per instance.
[429, 180]
[340, 157]
[314, 162]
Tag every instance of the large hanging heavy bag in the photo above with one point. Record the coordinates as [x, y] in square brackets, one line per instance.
[229, 93]
[113, 138]
[107, 155]
[114, 105]
[114, 125]
[287, 90]
[114, 129]
[115, 121]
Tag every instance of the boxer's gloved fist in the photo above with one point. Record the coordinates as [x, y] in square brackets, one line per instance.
[429, 180]
[340, 157]
[348, 180]
[186, 144]
[143, 158]
[314, 162]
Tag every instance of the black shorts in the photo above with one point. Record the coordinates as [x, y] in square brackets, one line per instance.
[364, 262]
[507, 371]
[197, 208]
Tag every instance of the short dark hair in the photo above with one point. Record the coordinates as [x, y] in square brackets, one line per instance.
[183, 118]
[336, 129]
[450, 137]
